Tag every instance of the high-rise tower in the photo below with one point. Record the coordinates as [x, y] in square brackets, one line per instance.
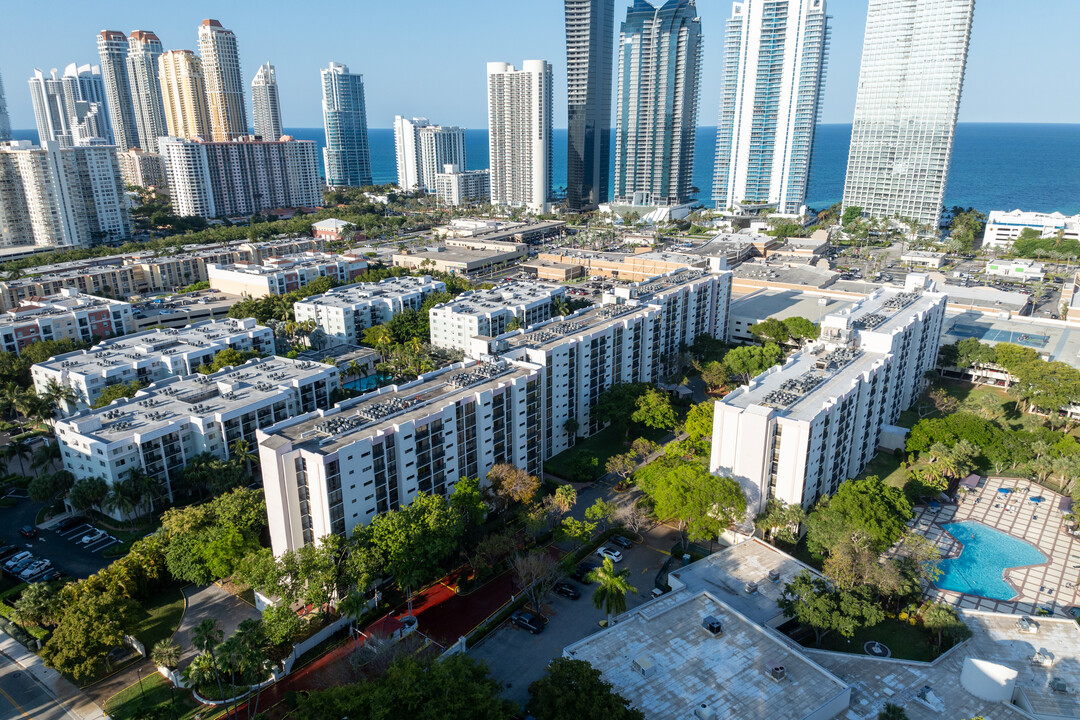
[184, 95]
[519, 134]
[912, 73]
[346, 156]
[224, 85]
[5, 119]
[265, 105]
[144, 49]
[50, 110]
[659, 72]
[113, 50]
[70, 109]
[423, 150]
[773, 77]
[590, 30]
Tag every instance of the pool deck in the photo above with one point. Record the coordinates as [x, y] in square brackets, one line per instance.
[1038, 523]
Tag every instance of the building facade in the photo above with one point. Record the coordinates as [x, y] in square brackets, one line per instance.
[1004, 228]
[279, 275]
[773, 78]
[656, 106]
[346, 312]
[407, 151]
[423, 149]
[328, 472]
[488, 312]
[519, 134]
[5, 119]
[265, 104]
[144, 49]
[183, 94]
[346, 157]
[142, 169]
[590, 29]
[212, 179]
[797, 431]
[912, 73]
[52, 196]
[454, 186]
[113, 50]
[71, 315]
[225, 89]
[50, 108]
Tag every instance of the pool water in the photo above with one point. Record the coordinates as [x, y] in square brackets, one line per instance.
[986, 554]
[364, 384]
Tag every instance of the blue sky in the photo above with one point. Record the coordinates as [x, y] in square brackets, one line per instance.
[427, 57]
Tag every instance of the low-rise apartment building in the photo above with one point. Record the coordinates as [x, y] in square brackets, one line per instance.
[454, 186]
[280, 275]
[149, 356]
[1017, 269]
[797, 431]
[1003, 228]
[327, 472]
[344, 313]
[166, 424]
[489, 312]
[69, 315]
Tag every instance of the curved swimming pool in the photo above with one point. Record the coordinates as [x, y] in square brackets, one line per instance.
[986, 554]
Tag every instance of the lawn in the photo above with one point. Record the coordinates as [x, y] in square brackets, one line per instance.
[907, 642]
[609, 441]
[887, 467]
[159, 616]
[154, 693]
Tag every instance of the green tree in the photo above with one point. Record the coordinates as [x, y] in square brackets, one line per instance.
[575, 689]
[799, 328]
[781, 521]
[715, 374]
[577, 532]
[467, 500]
[46, 486]
[87, 631]
[851, 214]
[165, 653]
[39, 604]
[699, 502]
[618, 403]
[610, 595]
[892, 711]
[699, 420]
[601, 512]
[813, 602]
[945, 621]
[653, 409]
[88, 493]
[770, 330]
[865, 510]
[229, 357]
[749, 361]
[117, 392]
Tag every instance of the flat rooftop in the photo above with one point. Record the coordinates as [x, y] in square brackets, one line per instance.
[691, 666]
[465, 256]
[55, 305]
[807, 275]
[579, 323]
[783, 304]
[347, 296]
[327, 430]
[987, 298]
[668, 281]
[1052, 339]
[162, 405]
[342, 355]
[502, 296]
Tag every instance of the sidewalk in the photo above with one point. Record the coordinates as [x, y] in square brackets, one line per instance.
[66, 695]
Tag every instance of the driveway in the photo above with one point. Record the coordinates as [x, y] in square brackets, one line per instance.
[517, 658]
[209, 602]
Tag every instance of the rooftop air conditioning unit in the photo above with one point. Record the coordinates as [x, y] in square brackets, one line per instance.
[1059, 685]
[704, 712]
[644, 666]
[751, 587]
[714, 626]
[776, 672]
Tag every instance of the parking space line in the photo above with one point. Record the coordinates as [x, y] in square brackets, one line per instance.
[112, 541]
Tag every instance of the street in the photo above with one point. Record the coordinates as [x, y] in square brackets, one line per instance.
[22, 698]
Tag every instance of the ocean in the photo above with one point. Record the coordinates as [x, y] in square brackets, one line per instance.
[995, 166]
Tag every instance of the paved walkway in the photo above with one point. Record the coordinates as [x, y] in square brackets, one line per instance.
[75, 703]
[209, 602]
[1038, 523]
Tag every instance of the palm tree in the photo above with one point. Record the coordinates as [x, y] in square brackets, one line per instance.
[611, 595]
[45, 456]
[241, 451]
[18, 448]
[9, 397]
[892, 711]
[353, 369]
[205, 638]
[352, 606]
[166, 653]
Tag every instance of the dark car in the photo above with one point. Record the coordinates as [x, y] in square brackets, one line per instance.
[583, 569]
[623, 542]
[530, 621]
[7, 551]
[28, 531]
[567, 590]
[70, 524]
[51, 575]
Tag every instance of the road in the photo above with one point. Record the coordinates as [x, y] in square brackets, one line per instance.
[22, 698]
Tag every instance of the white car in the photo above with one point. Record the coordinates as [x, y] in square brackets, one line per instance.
[36, 568]
[92, 537]
[610, 553]
[16, 559]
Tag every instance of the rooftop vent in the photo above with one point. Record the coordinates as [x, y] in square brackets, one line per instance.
[644, 666]
[1025, 625]
[775, 672]
[1059, 685]
[704, 712]
[1042, 658]
[751, 587]
[714, 626]
[774, 576]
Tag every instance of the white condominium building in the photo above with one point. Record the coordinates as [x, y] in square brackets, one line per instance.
[279, 275]
[407, 150]
[160, 429]
[422, 151]
[225, 89]
[71, 315]
[52, 196]
[1003, 228]
[144, 50]
[519, 134]
[113, 50]
[656, 108]
[454, 186]
[212, 179]
[346, 312]
[487, 312]
[184, 95]
[328, 472]
[142, 169]
[774, 75]
[913, 60]
[149, 356]
[798, 430]
[265, 103]
[70, 109]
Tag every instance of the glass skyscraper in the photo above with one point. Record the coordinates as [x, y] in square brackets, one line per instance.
[346, 155]
[659, 72]
[265, 104]
[590, 30]
[113, 51]
[773, 77]
[5, 120]
[912, 73]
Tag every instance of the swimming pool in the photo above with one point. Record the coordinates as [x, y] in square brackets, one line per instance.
[985, 556]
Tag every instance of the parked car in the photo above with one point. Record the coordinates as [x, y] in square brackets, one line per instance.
[7, 551]
[624, 542]
[22, 565]
[529, 621]
[610, 553]
[35, 568]
[70, 524]
[582, 571]
[92, 537]
[50, 576]
[16, 559]
[567, 590]
[28, 531]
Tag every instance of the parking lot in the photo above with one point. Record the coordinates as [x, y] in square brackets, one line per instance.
[516, 658]
[63, 550]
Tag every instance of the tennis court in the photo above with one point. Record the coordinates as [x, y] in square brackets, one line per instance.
[992, 334]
